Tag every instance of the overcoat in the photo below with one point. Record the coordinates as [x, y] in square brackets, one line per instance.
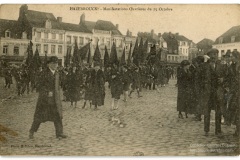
[183, 97]
[116, 84]
[74, 82]
[49, 106]
[97, 87]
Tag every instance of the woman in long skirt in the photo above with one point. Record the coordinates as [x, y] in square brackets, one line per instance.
[183, 97]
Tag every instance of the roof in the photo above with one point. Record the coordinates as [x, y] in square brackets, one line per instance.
[12, 25]
[38, 19]
[102, 25]
[234, 31]
[182, 38]
[205, 43]
[74, 27]
[90, 25]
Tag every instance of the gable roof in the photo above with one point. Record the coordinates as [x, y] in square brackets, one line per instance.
[234, 31]
[10, 25]
[205, 43]
[74, 27]
[102, 25]
[38, 19]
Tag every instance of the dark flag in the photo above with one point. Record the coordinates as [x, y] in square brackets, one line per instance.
[135, 53]
[106, 57]
[129, 61]
[97, 55]
[29, 59]
[76, 57]
[123, 61]
[68, 58]
[152, 56]
[145, 49]
[45, 60]
[113, 55]
[140, 56]
[36, 60]
[84, 51]
[89, 55]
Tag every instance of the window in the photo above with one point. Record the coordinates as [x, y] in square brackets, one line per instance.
[87, 39]
[102, 41]
[52, 49]
[48, 24]
[81, 40]
[53, 35]
[16, 50]
[38, 46]
[46, 35]
[75, 39]
[7, 34]
[108, 42]
[68, 39]
[59, 49]
[221, 40]
[60, 36]
[233, 39]
[95, 40]
[24, 35]
[38, 35]
[5, 49]
[45, 48]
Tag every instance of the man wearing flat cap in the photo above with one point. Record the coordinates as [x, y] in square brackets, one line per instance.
[49, 107]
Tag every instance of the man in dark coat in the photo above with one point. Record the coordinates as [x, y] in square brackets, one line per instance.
[8, 78]
[193, 94]
[116, 86]
[136, 82]
[97, 84]
[126, 80]
[49, 107]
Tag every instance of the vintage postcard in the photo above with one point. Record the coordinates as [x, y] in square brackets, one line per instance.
[119, 79]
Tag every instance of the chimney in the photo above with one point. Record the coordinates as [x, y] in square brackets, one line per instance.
[59, 19]
[22, 11]
[82, 19]
[117, 26]
[130, 34]
[152, 32]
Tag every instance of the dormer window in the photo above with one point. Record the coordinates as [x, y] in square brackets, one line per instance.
[48, 24]
[233, 39]
[7, 34]
[24, 35]
[221, 40]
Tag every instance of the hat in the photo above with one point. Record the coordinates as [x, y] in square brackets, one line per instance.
[185, 63]
[53, 59]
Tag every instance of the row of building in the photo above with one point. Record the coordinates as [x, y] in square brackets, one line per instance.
[53, 36]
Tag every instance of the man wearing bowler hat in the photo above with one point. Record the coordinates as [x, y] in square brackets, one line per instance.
[49, 107]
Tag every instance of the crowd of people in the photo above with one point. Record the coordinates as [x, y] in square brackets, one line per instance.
[205, 84]
[210, 84]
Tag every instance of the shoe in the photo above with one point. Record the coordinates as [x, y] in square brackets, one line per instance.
[186, 115]
[31, 135]
[61, 136]
[180, 116]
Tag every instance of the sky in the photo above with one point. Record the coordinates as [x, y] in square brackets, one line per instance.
[195, 22]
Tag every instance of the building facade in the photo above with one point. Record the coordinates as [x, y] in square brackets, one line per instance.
[228, 41]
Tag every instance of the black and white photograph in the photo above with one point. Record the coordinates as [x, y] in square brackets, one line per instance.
[119, 79]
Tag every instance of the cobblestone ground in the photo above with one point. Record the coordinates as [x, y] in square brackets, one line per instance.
[150, 127]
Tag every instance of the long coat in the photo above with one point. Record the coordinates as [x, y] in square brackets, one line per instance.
[193, 90]
[97, 87]
[48, 107]
[74, 82]
[116, 84]
[205, 86]
[183, 98]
